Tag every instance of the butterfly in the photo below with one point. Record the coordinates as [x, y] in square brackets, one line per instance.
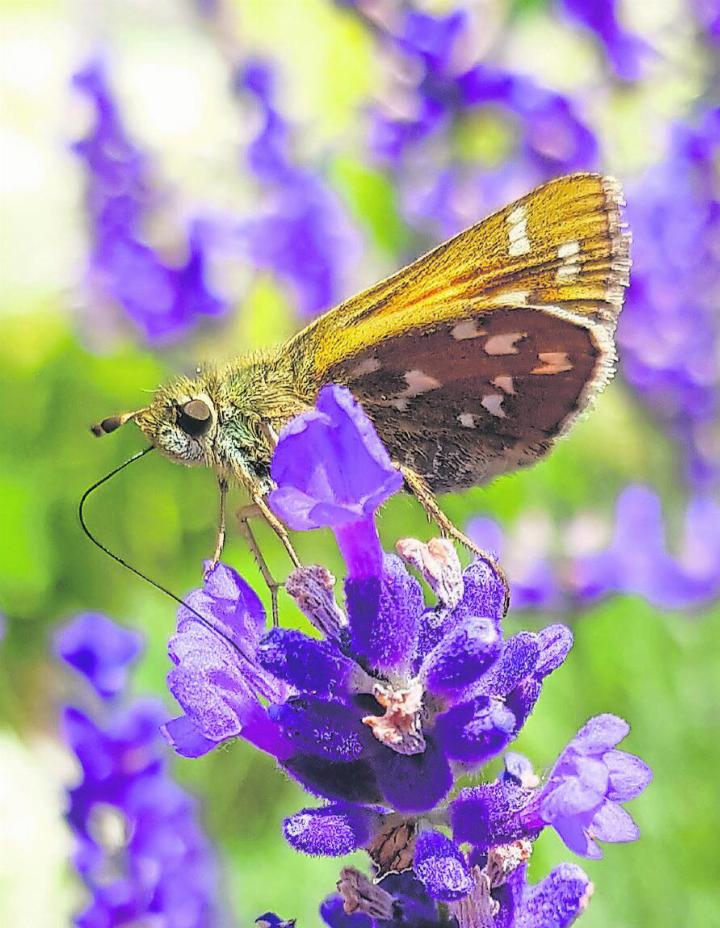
[471, 361]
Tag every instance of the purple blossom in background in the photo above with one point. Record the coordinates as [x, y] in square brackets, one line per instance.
[669, 332]
[626, 53]
[439, 94]
[162, 300]
[100, 650]
[304, 234]
[140, 849]
[546, 570]
[380, 715]
[707, 13]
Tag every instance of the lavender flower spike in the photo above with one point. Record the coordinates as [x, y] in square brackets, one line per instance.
[333, 471]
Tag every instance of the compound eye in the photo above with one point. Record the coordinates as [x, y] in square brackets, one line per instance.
[194, 418]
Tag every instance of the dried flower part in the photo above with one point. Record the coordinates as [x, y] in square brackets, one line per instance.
[477, 909]
[504, 859]
[401, 726]
[359, 894]
[439, 565]
[312, 588]
[392, 847]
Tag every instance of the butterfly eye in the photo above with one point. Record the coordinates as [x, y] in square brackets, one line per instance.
[194, 418]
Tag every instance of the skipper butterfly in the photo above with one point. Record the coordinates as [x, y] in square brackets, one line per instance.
[471, 361]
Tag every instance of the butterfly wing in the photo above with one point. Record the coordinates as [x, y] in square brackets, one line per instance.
[473, 359]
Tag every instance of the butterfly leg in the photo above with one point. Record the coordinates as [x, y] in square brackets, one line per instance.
[260, 508]
[277, 526]
[425, 496]
[244, 515]
[220, 538]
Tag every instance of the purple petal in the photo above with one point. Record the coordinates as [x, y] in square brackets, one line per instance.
[485, 591]
[555, 644]
[384, 632]
[491, 814]
[612, 823]
[332, 831]
[475, 731]
[574, 832]
[413, 783]
[330, 467]
[628, 775]
[185, 738]
[309, 665]
[581, 789]
[522, 700]
[461, 657]
[600, 734]
[441, 867]
[557, 900]
[517, 661]
[350, 782]
[326, 729]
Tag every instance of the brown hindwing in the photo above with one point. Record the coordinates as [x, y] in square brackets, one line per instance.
[463, 401]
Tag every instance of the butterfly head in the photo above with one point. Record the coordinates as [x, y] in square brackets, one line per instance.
[181, 422]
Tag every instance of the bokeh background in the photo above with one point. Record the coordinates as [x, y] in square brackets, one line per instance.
[185, 181]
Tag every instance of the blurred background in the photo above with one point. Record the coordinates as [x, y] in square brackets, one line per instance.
[188, 180]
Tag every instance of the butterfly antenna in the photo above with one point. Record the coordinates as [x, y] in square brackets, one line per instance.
[134, 570]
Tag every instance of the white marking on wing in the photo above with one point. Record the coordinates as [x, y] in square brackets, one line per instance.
[466, 329]
[568, 253]
[553, 362]
[518, 240]
[493, 404]
[511, 298]
[568, 249]
[366, 366]
[419, 382]
[504, 343]
[504, 382]
[467, 420]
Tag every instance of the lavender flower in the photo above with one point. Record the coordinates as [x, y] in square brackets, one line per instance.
[440, 93]
[140, 849]
[669, 332]
[544, 575]
[162, 300]
[304, 235]
[380, 715]
[626, 52]
[100, 650]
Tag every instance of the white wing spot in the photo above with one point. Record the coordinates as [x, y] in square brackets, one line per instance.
[365, 367]
[504, 382]
[518, 241]
[553, 362]
[511, 298]
[568, 253]
[467, 420]
[418, 382]
[401, 404]
[466, 329]
[568, 249]
[504, 344]
[568, 271]
[493, 404]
